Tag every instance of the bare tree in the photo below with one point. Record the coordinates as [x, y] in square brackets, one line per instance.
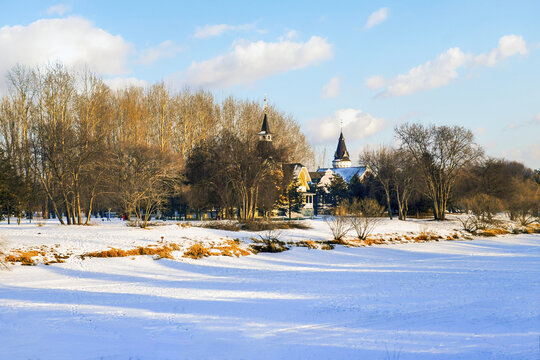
[144, 177]
[440, 152]
[382, 163]
[403, 177]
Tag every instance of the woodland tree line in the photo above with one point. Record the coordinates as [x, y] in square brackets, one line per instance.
[71, 146]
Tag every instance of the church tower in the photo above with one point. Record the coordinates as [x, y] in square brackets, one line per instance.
[265, 134]
[341, 157]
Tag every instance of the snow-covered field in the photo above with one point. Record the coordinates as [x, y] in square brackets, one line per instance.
[476, 299]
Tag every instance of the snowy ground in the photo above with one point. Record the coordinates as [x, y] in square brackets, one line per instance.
[476, 299]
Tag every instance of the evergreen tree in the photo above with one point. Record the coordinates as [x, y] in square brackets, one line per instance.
[337, 189]
[292, 199]
[13, 190]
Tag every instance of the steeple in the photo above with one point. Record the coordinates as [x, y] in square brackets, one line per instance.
[341, 157]
[265, 134]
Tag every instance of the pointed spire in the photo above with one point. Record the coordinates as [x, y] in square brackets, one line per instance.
[341, 151]
[265, 128]
[265, 135]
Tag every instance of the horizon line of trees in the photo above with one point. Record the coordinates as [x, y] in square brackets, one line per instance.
[70, 145]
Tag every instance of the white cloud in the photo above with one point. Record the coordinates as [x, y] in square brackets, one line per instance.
[430, 75]
[216, 30]
[444, 69]
[72, 41]
[357, 125]
[119, 83]
[164, 50]
[375, 82]
[508, 45]
[331, 89]
[537, 118]
[59, 9]
[376, 17]
[250, 61]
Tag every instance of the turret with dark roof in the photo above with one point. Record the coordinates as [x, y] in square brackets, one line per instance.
[341, 151]
[341, 157]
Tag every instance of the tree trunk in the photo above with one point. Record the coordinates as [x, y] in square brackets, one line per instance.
[388, 204]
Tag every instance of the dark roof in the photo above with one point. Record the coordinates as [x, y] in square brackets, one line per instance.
[341, 151]
[265, 128]
[314, 175]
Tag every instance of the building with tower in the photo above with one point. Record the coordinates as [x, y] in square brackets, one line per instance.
[341, 165]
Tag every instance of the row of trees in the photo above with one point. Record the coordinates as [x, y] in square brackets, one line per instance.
[443, 165]
[73, 145]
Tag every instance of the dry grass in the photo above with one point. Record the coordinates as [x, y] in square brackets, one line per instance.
[268, 245]
[197, 251]
[23, 257]
[493, 232]
[273, 225]
[163, 252]
[221, 225]
[230, 248]
[310, 244]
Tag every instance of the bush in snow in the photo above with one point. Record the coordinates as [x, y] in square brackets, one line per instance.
[269, 242]
[338, 223]
[363, 216]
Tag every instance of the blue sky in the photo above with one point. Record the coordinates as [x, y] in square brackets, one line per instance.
[371, 65]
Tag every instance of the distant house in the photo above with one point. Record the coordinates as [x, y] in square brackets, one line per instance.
[298, 172]
[341, 165]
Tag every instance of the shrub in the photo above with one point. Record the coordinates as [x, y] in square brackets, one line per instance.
[271, 246]
[363, 216]
[471, 224]
[221, 225]
[272, 225]
[339, 226]
[484, 206]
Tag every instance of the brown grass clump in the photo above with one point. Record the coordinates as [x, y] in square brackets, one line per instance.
[196, 251]
[493, 232]
[371, 242]
[230, 248]
[310, 244]
[23, 257]
[163, 252]
[327, 246]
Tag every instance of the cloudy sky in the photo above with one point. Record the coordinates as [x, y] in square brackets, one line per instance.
[370, 65]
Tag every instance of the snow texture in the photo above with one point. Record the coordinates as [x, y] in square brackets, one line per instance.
[476, 299]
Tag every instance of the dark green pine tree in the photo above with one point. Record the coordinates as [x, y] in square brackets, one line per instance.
[338, 190]
[292, 199]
